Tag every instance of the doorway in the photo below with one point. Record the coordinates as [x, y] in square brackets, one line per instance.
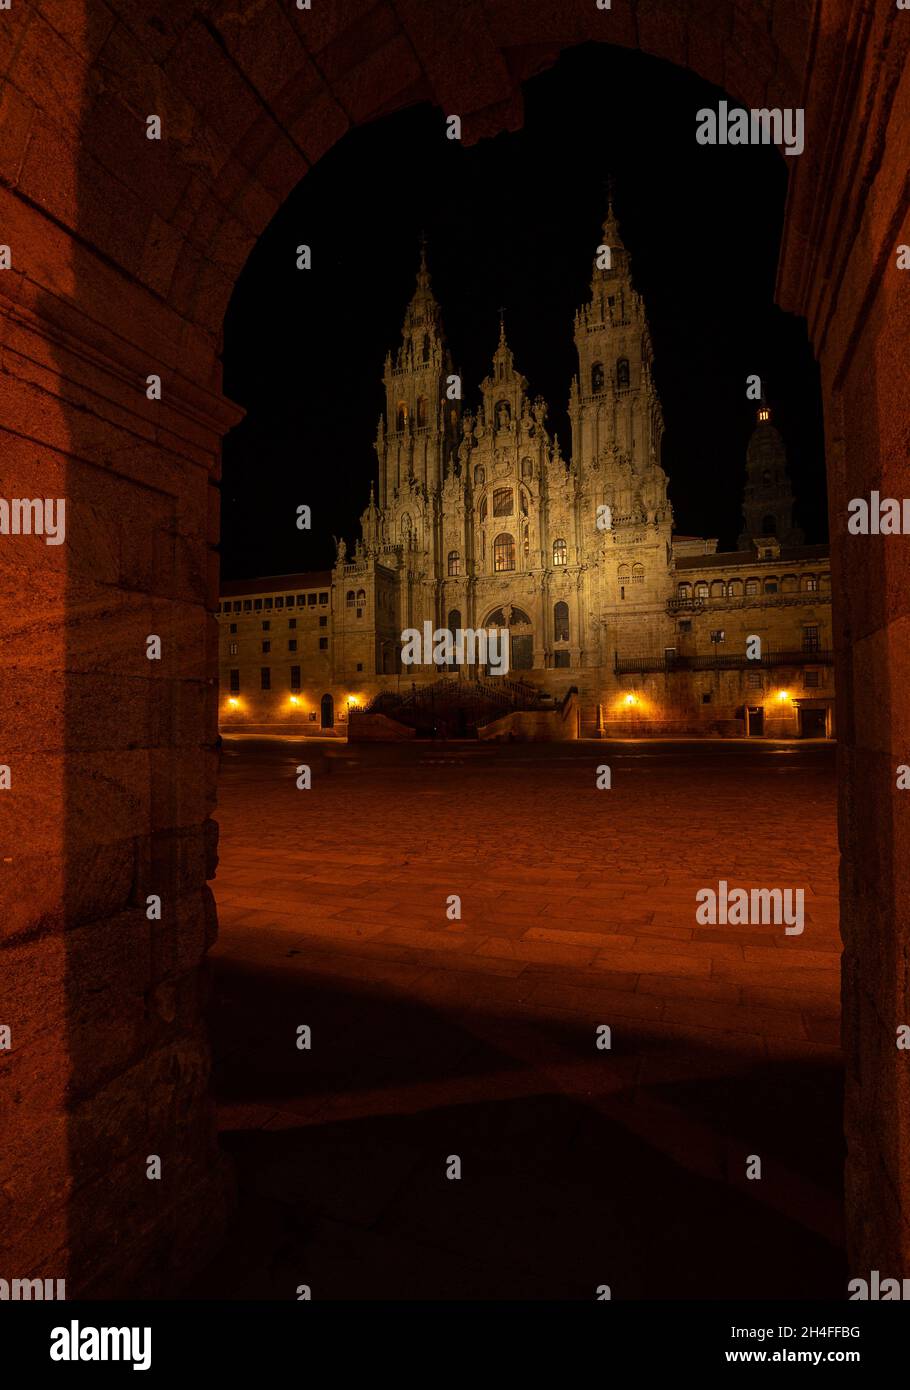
[813, 723]
[327, 712]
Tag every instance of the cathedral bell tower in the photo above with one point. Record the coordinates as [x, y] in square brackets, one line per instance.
[419, 429]
[768, 496]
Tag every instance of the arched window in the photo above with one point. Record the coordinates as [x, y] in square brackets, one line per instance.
[623, 574]
[751, 586]
[735, 588]
[502, 501]
[638, 574]
[402, 415]
[519, 618]
[425, 351]
[769, 525]
[454, 562]
[527, 468]
[421, 412]
[560, 552]
[483, 509]
[684, 590]
[502, 414]
[701, 589]
[597, 378]
[503, 552]
[622, 374]
[478, 476]
[523, 501]
[561, 622]
[349, 598]
[454, 619]
[361, 598]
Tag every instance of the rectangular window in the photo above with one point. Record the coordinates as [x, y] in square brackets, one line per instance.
[289, 601]
[292, 622]
[360, 612]
[706, 698]
[237, 606]
[561, 660]
[232, 649]
[295, 677]
[301, 600]
[717, 635]
[266, 646]
[685, 624]
[311, 600]
[257, 604]
[247, 605]
[265, 677]
[323, 622]
[323, 644]
[234, 682]
[292, 644]
[810, 639]
[811, 678]
[360, 666]
[323, 600]
[266, 624]
[268, 603]
[279, 603]
[753, 680]
[233, 627]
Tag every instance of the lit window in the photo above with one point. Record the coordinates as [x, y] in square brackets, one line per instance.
[232, 649]
[561, 622]
[361, 598]
[811, 641]
[454, 562]
[751, 586]
[503, 553]
[701, 589]
[560, 552]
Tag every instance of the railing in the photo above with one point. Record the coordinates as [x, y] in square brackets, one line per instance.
[685, 605]
[639, 665]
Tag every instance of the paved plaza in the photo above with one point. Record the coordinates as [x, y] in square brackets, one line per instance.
[476, 1038]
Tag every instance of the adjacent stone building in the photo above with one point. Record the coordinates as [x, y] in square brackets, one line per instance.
[480, 522]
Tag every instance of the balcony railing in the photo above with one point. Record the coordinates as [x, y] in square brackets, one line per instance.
[639, 665]
[685, 605]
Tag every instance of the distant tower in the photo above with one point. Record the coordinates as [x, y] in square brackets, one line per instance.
[767, 497]
[420, 426]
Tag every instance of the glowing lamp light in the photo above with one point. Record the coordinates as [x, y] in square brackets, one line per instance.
[233, 701]
[295, 700]
[352, 700]
[631, 700]
[783, 695]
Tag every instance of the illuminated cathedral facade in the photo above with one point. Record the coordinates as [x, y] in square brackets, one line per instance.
[479, 521]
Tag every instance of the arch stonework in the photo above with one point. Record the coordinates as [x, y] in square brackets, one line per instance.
[124, 255]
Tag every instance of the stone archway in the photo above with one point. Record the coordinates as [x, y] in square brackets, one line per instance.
[124, 252]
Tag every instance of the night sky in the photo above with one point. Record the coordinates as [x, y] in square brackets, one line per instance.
[515, 221]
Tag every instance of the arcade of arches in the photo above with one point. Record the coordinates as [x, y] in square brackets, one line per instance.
[124, 253]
